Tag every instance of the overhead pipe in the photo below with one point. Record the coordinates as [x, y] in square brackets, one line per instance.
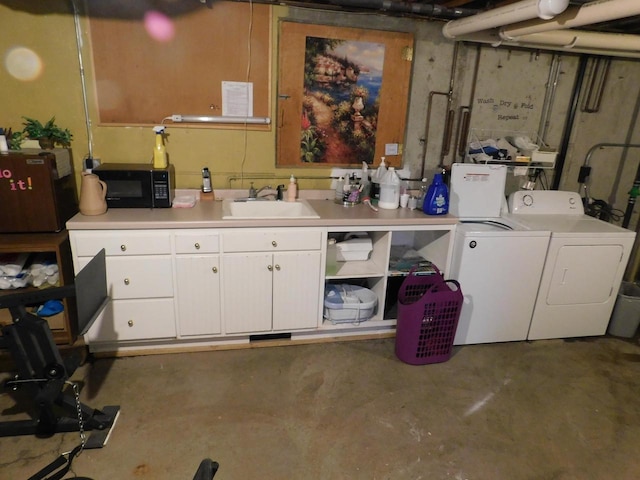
[497, 17]
[416, 8]
[571, 39]
[492, 37]
[586, 14]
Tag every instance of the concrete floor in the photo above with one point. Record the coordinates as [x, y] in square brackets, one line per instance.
[541, 410]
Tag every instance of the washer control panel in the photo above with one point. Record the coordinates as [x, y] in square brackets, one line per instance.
[545, 202]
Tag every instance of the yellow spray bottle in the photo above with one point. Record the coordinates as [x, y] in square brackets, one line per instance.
[160, 152]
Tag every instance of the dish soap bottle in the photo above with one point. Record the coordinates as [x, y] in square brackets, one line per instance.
[436, 202]
[159, 152]
[292, 190]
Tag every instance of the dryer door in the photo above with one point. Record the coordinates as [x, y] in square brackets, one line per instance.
[584, 274]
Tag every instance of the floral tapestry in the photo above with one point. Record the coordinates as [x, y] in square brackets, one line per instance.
[340, 105]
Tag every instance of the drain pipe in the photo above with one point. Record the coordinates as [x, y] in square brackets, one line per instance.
[593, 12]
[497, 17]
[571, 118]
[83, 82]
[446, 140]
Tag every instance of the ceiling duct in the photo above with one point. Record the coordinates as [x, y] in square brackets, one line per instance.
[587, 14]
[497, 17]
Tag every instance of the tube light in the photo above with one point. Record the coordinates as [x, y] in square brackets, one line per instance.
[226, 119]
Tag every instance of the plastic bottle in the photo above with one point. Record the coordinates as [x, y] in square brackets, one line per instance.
[423, 193]
[436, 201]
[390, 190]
[4, 147]
[376, 179]
[340, 190]
[159, 152]
[292, 190]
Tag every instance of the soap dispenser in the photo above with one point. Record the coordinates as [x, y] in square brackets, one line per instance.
[159, 152]
[292, 189]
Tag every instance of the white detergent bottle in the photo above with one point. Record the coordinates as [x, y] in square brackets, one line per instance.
[390, 190]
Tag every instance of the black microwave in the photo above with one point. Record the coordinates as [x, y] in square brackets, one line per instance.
[137, 185]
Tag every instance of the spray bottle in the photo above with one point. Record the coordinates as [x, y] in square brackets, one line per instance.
[159, 152]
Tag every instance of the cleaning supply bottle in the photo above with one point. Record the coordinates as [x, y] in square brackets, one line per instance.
[390, 190]
[424, 186]
[376, 179]
[339, 191]
[160, 152]
[292, 190]
[436, 202]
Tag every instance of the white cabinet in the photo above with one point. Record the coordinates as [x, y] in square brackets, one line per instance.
[198, 282]
[139, 281]
[272, 279]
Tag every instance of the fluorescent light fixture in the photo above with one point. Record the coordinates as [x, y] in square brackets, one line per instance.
[228, 119]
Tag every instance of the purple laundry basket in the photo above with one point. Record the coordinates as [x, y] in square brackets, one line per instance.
[428, 314]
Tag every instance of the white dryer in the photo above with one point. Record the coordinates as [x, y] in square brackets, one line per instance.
[497, 262]
[585, 262]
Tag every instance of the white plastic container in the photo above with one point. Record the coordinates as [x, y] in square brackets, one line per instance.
[346, 303]
[354, 249]
[390, 190]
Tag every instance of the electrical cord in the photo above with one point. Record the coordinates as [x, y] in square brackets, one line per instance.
[602, 210]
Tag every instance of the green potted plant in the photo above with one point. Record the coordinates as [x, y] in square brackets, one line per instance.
[48, 135]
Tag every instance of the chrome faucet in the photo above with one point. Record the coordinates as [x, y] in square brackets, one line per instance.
[253, 193]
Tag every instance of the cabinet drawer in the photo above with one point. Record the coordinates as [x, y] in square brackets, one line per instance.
[134, 320]
[122, 243]
[271, 240]
[197, 242]
[140, 277]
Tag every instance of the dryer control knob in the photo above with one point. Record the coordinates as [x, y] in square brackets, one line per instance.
[527, 200]
[572, 201]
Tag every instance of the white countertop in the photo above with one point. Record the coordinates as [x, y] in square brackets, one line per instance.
[208, 214]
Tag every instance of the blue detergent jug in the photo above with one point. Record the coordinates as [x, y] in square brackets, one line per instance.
[436, 202]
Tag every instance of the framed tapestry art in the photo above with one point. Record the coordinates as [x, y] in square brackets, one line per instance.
[342, 94]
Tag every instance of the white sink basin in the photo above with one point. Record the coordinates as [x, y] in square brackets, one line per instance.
[260, 209]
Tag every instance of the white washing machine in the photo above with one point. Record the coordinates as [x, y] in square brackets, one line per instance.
[585, 262]
[498, 262]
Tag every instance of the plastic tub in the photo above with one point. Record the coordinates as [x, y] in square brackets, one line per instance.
[626, 313]
[346, 303]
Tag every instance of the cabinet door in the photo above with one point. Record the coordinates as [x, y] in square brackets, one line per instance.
[198, 282]
[247, 290]
[296, 290]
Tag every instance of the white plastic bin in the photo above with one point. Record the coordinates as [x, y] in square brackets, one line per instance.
[626, 313]
[348, 303]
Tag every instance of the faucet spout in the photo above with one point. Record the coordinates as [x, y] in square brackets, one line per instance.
[253, 193]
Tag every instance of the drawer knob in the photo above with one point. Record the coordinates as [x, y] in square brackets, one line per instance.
[130, 323]
[274, 243]
[270, 268]
[197, 245]
[214, 269]
[127, 281]
[277, 267]
[123, 247]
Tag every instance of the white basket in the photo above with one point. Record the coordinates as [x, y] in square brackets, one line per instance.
[358, 304]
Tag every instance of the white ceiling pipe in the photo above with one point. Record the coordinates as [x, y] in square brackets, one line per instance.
[584, 39]
[587, 14]
[516, 12]
[492, 38]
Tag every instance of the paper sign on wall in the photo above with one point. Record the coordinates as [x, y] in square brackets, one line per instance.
[237, 99]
